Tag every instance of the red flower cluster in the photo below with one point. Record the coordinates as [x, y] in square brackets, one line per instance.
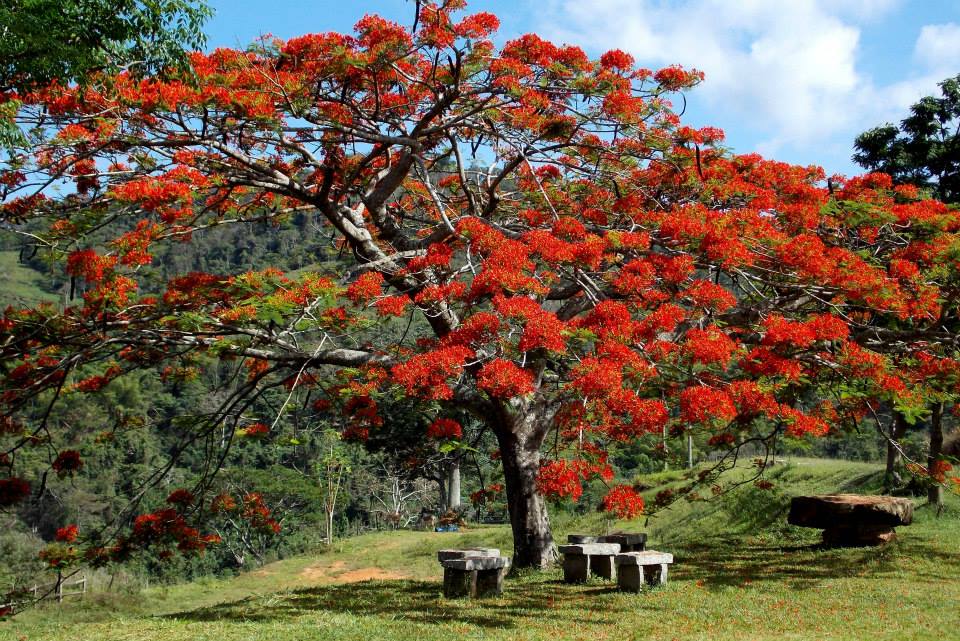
[701, 404]
[89, 265]
[624, 501]
[504, 379]
[365, 288]
[426, 375]
[181, 498]
[67, 463]
[558, 480]
[165, 527]
[709, 347]
[486, 495]
[256, 512]
[223, 502]
[445, 428]
[255, 430]
[67, 534]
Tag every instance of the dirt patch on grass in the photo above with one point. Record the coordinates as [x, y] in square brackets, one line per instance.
[368, 574]
[338, 573]
[322, 571]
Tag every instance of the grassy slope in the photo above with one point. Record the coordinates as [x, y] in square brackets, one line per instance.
[20, 284]
[740, 573]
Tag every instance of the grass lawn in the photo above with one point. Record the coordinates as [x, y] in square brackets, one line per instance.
[740, 573]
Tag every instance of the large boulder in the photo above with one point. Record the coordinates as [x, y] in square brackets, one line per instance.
[851, 519]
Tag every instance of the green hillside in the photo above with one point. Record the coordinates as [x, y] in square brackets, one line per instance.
[740, 573]
[21, 285]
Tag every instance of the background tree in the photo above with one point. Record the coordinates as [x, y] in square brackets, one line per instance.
[923, 151]
[527, 235]
[66, 40]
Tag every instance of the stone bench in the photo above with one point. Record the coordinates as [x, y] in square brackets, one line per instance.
[636, 568]
[849, 520]
[629, 542]
[582, 559]
[473, 573]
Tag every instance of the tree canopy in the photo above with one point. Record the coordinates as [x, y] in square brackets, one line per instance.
[525, 234]
[924, 150]
[44, 40]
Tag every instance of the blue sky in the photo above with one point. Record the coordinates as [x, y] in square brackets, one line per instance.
[795, 80]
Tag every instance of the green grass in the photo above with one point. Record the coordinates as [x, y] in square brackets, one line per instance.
[740, 573]
[20, 284]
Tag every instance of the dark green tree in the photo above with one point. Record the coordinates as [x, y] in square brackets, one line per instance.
[42, 40]
[924, 150]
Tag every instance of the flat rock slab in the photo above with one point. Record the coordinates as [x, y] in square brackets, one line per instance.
[446, 555]
[647, 557]
[581, 538]
[477, 563]
[625, 540]
[853, 510]
[591, 548]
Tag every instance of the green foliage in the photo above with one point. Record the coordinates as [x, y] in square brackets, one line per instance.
[43, 40]
[924, 150]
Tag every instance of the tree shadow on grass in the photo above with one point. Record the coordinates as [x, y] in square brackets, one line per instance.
[412, 601]
[805, 566]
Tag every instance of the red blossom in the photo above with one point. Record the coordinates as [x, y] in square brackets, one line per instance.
[67, 463]
[426, 375]
[181, 498]
[67, 534]
[616, 59]
[558, 480]
[445, 428]
[701, 404]
[709, 347]
[624, 501]
[504, 379]
[367, 287]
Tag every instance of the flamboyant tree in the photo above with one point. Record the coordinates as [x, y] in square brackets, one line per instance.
[567, 259]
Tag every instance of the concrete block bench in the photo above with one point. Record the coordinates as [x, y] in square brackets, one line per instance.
[473, 573]
[636, 568]
[582, 559]
[629, 542]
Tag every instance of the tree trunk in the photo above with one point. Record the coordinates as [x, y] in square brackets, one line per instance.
[935, 493]
[520, 454]
[898, 428]
[453, 485]
[443, 493]
[330, 527]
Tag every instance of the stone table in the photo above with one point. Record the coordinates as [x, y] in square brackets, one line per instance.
[582, 559]
[446, 555]
[629, 541]
[849, 520]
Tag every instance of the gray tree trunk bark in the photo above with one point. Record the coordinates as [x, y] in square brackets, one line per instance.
[520, 442]
[935, 493]
[898, 428]
[453, 485]
[443, 493]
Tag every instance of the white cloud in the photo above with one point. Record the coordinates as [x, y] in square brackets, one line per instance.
[938, 46]
[788, 70]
